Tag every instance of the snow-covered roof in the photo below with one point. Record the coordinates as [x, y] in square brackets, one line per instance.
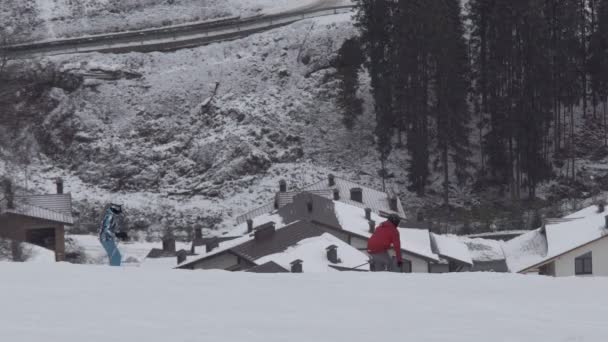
[374, 199]
[451, 246]
[556, 238]
[499, 234]
[39, 213]
[53, 207]
[312, 252]
[483, 250]
[415, 241]
[241, 228]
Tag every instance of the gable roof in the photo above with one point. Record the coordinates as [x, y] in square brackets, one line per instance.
[312, 251]
[251, 249]
[413, 241]
[269, 267]
[60, 203]
[451, 247]
[374, 199]
[277, 242]
[39, 213]
[555, 239]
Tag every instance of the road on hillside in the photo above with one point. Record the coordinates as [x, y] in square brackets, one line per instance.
[176, 37]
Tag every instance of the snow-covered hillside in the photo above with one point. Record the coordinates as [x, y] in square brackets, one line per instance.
[71, 303]
[147, 130]
[50, 19]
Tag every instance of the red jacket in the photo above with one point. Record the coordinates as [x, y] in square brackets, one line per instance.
[384, 236]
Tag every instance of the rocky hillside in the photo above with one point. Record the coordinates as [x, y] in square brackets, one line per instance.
[193, 136]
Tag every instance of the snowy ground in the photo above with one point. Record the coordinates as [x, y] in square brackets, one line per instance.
[133, 253]
[84, 303]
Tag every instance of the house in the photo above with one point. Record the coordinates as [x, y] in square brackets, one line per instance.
[574, 245]
[298, 247]
[463, 254]
[37, 219]
[336, 189]
[319, 220]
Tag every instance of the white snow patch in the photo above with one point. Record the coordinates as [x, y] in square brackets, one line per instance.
[63, 302]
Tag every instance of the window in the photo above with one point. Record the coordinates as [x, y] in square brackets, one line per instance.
[583, 264]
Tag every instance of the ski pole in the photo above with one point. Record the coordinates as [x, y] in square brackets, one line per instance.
[354, 268]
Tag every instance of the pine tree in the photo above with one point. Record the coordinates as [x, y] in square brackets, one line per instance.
[374, 20]
[350, 58]
[451, 89]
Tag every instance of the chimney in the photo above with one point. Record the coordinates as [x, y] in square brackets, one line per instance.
[296, 266]
[181, 256]
[169, 245]
[356, 194]
[7, 184]
[264, 231]
[59, 184]
[336, 195]
[368, 214]
[372, 226]
[420, 216]
[212, 244]
[309, 205]
[392, 202]
[332, 254]
[331, 180]
[198, 233]
[249, 226]
[282, 186]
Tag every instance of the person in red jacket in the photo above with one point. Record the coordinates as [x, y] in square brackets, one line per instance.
[385, 236]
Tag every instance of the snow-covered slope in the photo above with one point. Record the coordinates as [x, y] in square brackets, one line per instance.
[159, 141]
[49, 19]
[95, 304]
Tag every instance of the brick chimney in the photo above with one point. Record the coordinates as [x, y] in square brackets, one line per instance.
[296, 266]
[368, 214]
[332, 254]
[212, 244]
[282, 185]
[181, 256]
[309, 205]
[59, 184]
[7, 184]
[336, 195]
[392, 202]
[169, 245]
[264, 231]
[331, 180]
[249, 226]
[198, 233]
[356, 194]
[372, 226]
[420, 216]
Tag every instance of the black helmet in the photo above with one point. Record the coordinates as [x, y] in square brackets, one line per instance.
[394, 219]
[116, 208]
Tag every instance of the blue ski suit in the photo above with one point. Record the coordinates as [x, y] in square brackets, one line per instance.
[108, 239]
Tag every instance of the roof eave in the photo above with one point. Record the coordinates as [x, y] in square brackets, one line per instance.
[546, 261]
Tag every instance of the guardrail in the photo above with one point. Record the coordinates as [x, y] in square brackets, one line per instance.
[169, 38]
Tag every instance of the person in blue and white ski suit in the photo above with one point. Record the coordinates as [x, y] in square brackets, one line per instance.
[108, 234]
